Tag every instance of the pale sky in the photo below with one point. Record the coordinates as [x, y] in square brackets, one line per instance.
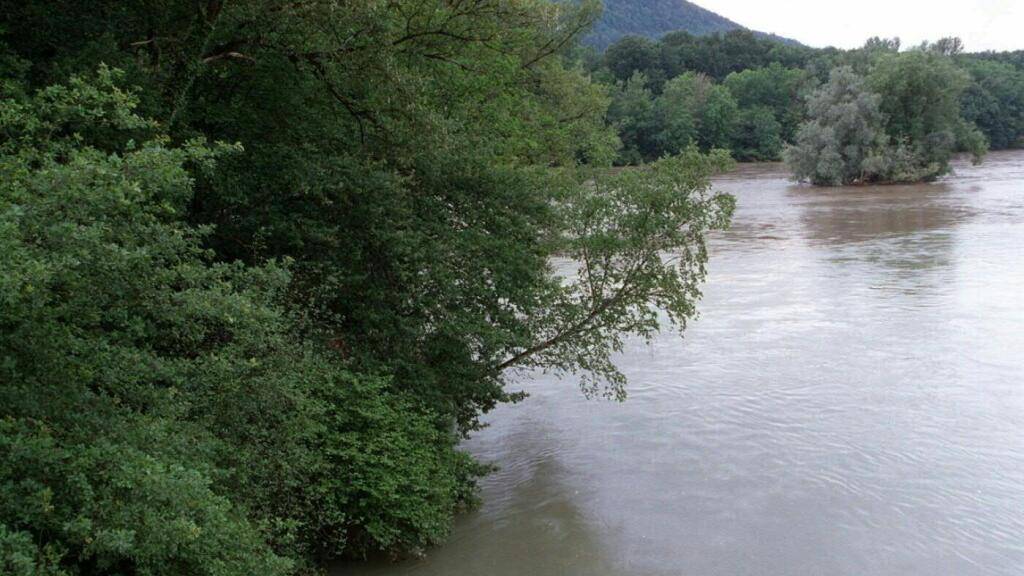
[983, 24]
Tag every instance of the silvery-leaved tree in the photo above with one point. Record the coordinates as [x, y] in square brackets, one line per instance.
[844, 127]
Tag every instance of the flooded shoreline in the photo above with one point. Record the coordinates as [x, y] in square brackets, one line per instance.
[851, 401]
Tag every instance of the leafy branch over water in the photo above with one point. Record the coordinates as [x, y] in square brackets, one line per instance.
[637, 240]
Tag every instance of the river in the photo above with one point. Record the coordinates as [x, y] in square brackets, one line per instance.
[850, 402]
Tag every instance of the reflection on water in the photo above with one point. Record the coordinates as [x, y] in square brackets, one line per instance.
[848, 215]
[907, 233]
[851, 402]
[539, 518]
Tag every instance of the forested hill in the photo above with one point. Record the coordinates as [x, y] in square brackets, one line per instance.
[654, 18]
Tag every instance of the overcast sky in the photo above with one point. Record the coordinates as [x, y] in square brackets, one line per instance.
[983, 24]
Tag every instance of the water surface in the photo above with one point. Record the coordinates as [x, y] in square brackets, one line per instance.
[851, 402]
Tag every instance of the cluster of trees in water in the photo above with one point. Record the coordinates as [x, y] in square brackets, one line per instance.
[871, 114]
[264, 263]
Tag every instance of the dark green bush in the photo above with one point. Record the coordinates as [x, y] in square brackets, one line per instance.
[159, 414]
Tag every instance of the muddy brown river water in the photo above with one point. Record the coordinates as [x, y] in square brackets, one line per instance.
[851, 402]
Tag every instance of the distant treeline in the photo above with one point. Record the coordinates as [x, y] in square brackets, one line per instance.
[749, 94]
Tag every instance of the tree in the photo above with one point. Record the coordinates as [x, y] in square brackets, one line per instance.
[388, 152]
[693, 110]
[915, 100]
[677, 110]
[718, 55]
[111, 324]
[717, 119]
[845, 128]
[279, 350]
[758, 135]
[920, 97]
[639, 238]
[634, 54]
[776, 88]
[994, 101]
[876, 44]
[864, 59]
[632, 115]
[950, 46]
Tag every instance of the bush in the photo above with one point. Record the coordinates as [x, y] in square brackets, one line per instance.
[920, 96]
[394, 473]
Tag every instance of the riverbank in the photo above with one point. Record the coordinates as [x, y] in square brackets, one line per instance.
[848, 403]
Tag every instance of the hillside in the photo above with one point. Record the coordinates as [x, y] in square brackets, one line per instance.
[654, 18]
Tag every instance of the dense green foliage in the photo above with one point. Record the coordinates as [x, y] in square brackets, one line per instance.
[775, 88]
[632, 114]
[263, 264]
[994, 101]
[160, 415]
[689, 110]
[716, 55]
[744, 94]
[845, 133]
[920, 93]
[693, 109]
[904, 128]
[934, 101]
[757, 135]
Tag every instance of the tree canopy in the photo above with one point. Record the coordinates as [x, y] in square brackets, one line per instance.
[844, 134]
[265, 263]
